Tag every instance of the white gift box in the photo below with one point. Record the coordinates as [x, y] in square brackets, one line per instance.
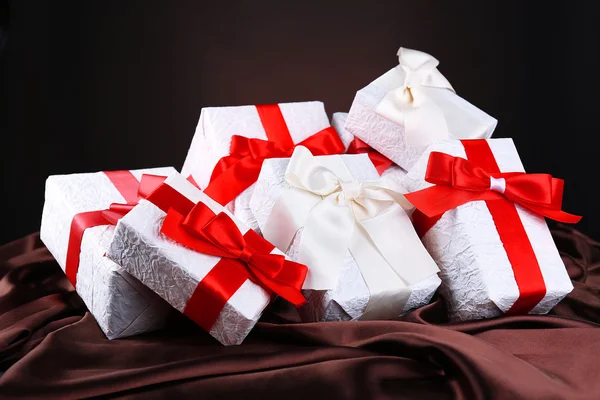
[411, 106]
[217, 126]
[349, 295]
[391, 176]
[478, 280]
[121, 305]
[174, 271]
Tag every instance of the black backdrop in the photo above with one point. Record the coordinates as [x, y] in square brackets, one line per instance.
[88, 86]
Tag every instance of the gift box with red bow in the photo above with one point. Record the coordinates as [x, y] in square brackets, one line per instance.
[390, 173]
[230, 143]
[203, 261]
[335, 214]
[482, 219]
[410, 107]
[78, 221]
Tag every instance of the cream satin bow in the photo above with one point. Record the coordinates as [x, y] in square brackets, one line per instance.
[409, 105]
[339, 214]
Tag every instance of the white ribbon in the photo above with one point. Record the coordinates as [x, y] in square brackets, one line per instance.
[340, 214]
[409, 105]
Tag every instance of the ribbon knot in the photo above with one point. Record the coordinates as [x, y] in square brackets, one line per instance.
[246, 255]
[407, 102]
[498, 184]
[459, 181]
[352, 190]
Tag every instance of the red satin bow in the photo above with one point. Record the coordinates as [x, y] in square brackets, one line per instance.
[216, 234]
[380, 161]
[238, 171]
[459, 181]
[130, 189]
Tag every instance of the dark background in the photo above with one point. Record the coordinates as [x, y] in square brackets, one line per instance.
[88, 86]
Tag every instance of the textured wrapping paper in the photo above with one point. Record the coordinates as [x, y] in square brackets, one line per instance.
[477, 277]
[458, 118]
[174, 271]
[217, 126]
[350, 297]
[121, 304]
[391, 176]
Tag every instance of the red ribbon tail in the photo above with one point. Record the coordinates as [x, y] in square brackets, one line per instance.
[557, 215]
[286, 291]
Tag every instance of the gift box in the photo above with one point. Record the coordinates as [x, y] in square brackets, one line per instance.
[230, 143]
[203, 261]
[391, 174]
[77, 227]
[333, 214]
[482, 219]
[411, 106]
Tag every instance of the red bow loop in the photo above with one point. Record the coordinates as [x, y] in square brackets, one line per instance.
[239, 146]
[467, 176]
[532, 188]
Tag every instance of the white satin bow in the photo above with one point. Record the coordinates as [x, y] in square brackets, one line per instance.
[340, 214]
[409, 105]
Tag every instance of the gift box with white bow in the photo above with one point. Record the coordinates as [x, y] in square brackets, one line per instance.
[203, 261]
[227, 150]
[411, 106]
[481, 218]
[77, 227]
[391, 174]
[332, 214]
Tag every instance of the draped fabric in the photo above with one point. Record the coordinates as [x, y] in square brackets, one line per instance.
[51, 347]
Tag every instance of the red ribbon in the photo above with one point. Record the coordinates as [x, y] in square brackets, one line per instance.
[243, 257]
[236, 172]
[380, 161]
[130, 189]
[459, 181]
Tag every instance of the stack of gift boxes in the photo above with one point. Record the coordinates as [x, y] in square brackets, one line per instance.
[361, 219]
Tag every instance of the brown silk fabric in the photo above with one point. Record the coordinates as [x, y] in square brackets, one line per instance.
[51, 347]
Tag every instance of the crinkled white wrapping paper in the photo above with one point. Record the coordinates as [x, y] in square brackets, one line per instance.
[464, 120]
[391, 176]
[477, 277]
[216, 127]
[121, 305]
[350, 297]
[174, 271]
